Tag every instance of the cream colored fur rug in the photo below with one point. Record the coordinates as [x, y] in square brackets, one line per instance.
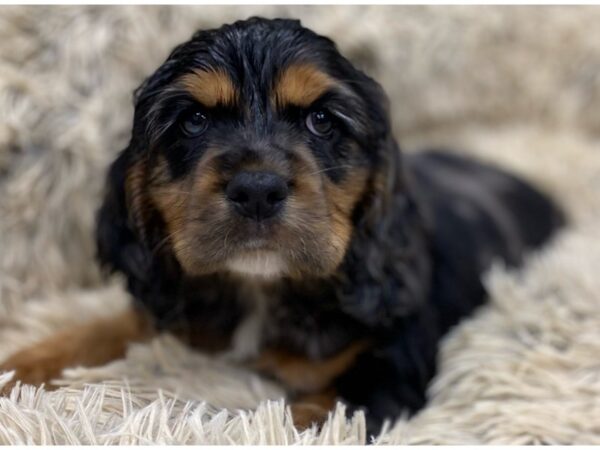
[516, 86]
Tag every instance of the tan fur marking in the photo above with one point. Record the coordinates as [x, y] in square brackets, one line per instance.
[302, 374]
[210, 88]
[312, 408]
[343, 199]
[300, 85]
[135, 182]
[175, 200]
[87, 345]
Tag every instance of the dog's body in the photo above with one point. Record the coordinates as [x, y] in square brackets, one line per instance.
[280, 224]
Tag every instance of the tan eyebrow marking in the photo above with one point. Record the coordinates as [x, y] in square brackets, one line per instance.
[210, 87]
[300, 85]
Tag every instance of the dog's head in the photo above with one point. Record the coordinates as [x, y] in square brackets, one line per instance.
[257, 149]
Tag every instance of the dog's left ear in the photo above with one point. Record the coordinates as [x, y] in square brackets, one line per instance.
[386, 270]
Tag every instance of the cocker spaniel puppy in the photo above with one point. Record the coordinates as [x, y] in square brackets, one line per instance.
[263, 210]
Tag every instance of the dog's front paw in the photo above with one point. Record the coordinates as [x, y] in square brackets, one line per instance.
[312, 409]
[305, 415]
[88, 345]
[38, 364]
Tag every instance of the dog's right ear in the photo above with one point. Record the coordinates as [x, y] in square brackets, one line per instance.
[120, 237]
[128, 237]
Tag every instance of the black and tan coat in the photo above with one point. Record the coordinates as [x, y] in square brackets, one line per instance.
[360, 259]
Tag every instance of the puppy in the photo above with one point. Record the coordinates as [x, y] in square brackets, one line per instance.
[263, 210]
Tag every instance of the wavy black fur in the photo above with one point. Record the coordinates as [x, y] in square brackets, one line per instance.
[420, 244]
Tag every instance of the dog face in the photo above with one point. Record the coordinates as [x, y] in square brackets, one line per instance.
[252, 147]
[257, 149]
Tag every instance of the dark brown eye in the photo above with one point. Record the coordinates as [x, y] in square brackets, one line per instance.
[194, 122]
[319, 122]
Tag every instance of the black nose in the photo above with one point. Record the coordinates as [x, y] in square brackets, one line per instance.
[257, 195]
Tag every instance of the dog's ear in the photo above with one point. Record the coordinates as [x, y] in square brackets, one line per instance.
[120, 235]
[123, 242]
[386, 270]
[128, 238]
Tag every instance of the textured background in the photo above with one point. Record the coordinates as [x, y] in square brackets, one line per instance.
[519, 86]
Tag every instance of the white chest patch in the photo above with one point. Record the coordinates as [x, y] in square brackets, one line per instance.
[260, 264]
[247, 338]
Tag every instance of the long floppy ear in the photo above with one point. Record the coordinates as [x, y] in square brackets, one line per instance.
[128, 238]
[386, 272]
[130, 233]
[120, 235]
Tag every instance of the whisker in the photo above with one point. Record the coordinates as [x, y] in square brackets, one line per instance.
[162, 242]
[343, 166]
[177, 191]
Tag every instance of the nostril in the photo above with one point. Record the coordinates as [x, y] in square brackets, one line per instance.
[277, 195]
[273, 197]
[236, 191]
[238, 196]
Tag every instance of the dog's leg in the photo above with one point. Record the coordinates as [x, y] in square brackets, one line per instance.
[86, 345]
[302, 374]
[309, 409]
[311, 380]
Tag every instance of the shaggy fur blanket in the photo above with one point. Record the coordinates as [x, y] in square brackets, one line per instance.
[519, 87]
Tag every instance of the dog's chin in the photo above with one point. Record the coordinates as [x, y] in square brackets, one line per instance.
[266, 264]
[266, 252]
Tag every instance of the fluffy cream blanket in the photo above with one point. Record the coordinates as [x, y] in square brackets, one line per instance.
[516, 86]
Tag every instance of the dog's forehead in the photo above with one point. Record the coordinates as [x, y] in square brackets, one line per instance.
[278, 57]
[260, 47]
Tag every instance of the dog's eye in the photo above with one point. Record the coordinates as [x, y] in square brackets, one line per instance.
[194, 122]
[319, 122]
